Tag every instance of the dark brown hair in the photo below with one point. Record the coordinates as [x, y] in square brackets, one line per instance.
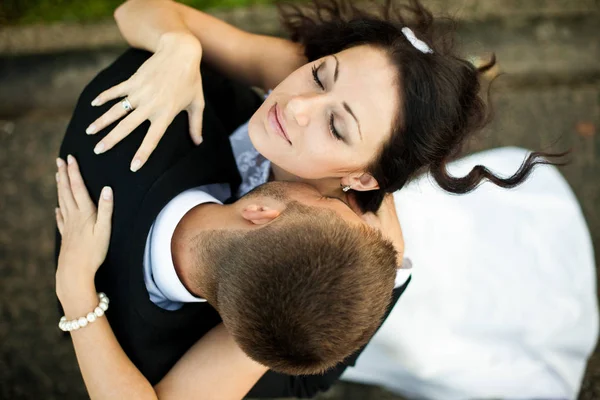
[441, 103]
[304, 292]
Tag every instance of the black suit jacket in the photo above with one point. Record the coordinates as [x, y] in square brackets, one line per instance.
[153, 338]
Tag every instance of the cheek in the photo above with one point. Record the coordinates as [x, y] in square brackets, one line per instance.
[257, 131]
[320, 159]
[254, 125]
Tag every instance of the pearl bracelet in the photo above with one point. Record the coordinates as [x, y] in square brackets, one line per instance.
[67, 326]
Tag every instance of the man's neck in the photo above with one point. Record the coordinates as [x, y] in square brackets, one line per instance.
[193, 274]
[325, 186]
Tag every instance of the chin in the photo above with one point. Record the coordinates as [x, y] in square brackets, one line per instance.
[255, 132]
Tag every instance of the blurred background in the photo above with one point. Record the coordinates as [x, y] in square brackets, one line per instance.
[548, 97]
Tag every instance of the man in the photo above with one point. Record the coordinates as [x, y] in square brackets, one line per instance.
[153, 329]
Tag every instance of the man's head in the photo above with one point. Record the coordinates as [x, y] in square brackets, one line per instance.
[304, 284]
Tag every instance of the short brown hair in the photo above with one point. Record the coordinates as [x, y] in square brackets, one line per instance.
[304, 292]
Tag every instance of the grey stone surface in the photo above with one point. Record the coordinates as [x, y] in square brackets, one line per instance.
[35, 361]
[60, 37]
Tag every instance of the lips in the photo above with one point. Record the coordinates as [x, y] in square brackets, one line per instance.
[275, 120]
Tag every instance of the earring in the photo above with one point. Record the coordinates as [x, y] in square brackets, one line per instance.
[345, 188]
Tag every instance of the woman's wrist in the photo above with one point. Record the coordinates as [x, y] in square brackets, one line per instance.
[180, 40]
[76, 293]
[79, 304]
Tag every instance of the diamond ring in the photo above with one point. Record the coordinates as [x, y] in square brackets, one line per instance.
[127, 105]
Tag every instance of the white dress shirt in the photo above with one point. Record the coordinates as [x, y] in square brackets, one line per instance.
[503, 304]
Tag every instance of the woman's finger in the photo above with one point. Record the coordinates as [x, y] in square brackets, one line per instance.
[60, 222]
[114, 92]
[155, 133]
[60, 201]
[195, 114]
[115, 113]
[353, 203]
[124, 128]
[105, 210]
[80, 193]
[372, 220]
[387, 205]
[65, 196]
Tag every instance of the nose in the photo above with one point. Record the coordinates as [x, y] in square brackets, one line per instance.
[302, 107]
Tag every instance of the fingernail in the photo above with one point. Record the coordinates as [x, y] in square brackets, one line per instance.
[99, 149]
[59, 162]
[56, 210]
[70, 159]
[91, 129]
[95, 102]
[135, 165]
[57, 178]
[199, 140]
[107, 193]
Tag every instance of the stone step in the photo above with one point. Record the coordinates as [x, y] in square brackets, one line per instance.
[263, 19]
[543, 51]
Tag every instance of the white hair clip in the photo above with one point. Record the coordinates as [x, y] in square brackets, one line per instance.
[418, 44]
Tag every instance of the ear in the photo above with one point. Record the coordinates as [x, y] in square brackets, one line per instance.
[259, 214]
[361, 182]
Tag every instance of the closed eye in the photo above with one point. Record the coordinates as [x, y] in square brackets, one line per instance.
[315, 73]
[332, 129]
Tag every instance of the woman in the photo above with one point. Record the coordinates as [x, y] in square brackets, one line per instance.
[404, 101]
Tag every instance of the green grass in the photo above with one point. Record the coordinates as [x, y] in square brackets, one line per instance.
[19, 12]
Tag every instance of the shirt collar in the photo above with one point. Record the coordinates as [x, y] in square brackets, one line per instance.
[163, 270]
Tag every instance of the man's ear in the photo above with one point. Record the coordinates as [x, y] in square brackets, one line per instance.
[361, 182]
[259, 214]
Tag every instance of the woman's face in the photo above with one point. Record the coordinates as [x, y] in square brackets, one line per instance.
[330, 117]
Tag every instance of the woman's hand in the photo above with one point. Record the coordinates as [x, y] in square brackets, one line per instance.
[85, 230]
[166, 84]
[386, 220]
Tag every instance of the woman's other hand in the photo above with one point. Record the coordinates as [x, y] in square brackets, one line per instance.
[166, 84]
[386, 220]
[85, 230]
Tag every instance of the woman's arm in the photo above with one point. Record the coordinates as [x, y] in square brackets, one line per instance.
[170, 82]
[256, 60]
[214, 368]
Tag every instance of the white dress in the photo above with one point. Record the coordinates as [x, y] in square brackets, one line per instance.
[502, 303]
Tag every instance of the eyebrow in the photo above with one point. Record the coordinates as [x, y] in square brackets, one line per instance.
[346, 106]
